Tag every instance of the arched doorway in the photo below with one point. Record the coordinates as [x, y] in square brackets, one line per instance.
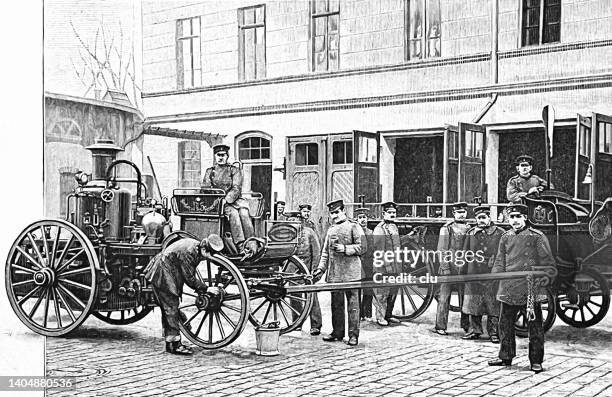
[254, 153]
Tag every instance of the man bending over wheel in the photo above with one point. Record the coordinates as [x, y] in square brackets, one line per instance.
[168, 271]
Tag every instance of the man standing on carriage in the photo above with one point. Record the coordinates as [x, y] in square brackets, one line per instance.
[386, 239]
[524, 182]
[228, 178]
[168, 271]
[479, 297]
[520, 248]
[340, 259]
[451, 239]
[367, 263]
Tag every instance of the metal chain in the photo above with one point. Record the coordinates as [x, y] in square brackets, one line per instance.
[530, 299]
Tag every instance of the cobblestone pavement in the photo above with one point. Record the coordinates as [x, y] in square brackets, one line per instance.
[398, 360]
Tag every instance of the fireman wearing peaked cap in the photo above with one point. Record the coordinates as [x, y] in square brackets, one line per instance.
[340, 260]
[525, 182]
[229, 178]
[451, 239]
[521, 248]
[367, 263]
[386, 239]
[480, 297]
[168, 271]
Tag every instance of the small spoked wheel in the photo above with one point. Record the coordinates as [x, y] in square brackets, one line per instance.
[413, 300]
[213, 321]
[123, 317]
[584, 299]
[548, 315]
[51, 277]
[290, 309]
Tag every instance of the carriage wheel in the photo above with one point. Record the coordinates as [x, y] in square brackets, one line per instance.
[123, 317]
[548, 315]
[290, 310]
[51, 277]
[584, 299]
[211, 321]
[413, 300]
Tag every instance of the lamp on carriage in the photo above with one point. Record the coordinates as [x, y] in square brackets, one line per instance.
[588, 178]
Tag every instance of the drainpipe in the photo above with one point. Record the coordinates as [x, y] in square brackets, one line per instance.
[494, 60]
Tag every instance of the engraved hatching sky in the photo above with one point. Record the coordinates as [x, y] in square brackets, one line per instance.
[61, 45]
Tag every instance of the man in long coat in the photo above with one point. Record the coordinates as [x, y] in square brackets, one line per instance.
[168, 271]
[479, 297]
[367, 263]
[451, 239]
[387, 239]
[340, 259]
[309, 251]
[520, 248]
[228, 178]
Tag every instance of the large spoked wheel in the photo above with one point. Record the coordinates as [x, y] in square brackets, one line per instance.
[290, 310]
[51, 277]
[548, 315]
[123, 317]
[584, 299]
[214, 321]
[413, 300]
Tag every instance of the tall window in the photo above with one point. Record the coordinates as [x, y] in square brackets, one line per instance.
[541, 22]
[605, 137]
[190, 164]
[474, 144]
[342, 152]
[325, 35]
[188, 57]
[252, 42]
[423, 29]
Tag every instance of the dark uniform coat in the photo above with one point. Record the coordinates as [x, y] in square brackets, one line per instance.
[342, 266]
[519, 251]
[386, 238]
[228, 178]
[452, 237]
[309, 248]
[175, 266]
[367, 256]
[479, 296]
[518, 186]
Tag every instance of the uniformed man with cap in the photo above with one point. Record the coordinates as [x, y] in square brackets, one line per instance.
[309, 251]
[524, 182]
[482, 241]
[387, 239]
[167, 272]
[367, 261]
[305, 212]
[280, 210]
[340, 259]
[229, 178]
[520, 248]
[451, 239]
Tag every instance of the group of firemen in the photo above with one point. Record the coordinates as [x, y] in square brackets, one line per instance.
[346, 255]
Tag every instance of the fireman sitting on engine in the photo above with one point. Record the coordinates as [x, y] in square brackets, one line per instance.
[167, 272]
[229, 178]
